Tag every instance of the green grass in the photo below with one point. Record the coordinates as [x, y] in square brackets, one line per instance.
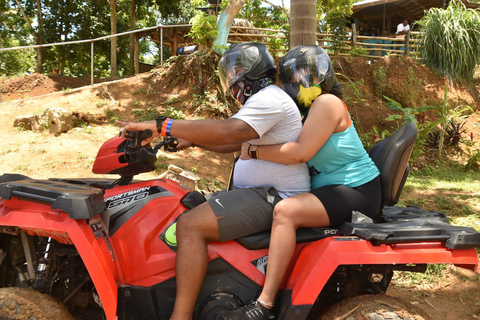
[174, 99]
[431, 275]
[446, 187]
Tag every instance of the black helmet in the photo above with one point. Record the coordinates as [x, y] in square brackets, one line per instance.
[245, 62]
[306, 66]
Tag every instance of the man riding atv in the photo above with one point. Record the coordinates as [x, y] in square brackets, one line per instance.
[268, 116]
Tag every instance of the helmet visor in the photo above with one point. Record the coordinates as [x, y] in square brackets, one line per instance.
[235, 65]
[306, 70]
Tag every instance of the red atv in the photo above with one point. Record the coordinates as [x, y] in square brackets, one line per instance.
[106, 248]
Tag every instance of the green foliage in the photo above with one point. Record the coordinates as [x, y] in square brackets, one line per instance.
[378, 136]
[146, 114]
[326, 6]
[337, 23]
[204, 29]
[176, 114]
[408, 113]
[431, 275]
[268, 17]
[173, 99]
[111, 116]
[380, 79]
[473, 159]
[18, 61]
[450, 42]
[358, 51]
[15, 62]
[79, 20]
[201, 85]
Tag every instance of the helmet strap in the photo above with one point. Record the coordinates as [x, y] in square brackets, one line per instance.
[252, 87]
[248, 89]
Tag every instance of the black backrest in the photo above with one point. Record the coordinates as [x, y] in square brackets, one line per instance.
[391, 156]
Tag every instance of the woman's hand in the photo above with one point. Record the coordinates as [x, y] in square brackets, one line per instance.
[138, 126]
[244, 154]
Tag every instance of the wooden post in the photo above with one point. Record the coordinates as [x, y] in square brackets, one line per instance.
[137, 56]
[354, 35]
[384, 31]
[407, 43]
[175, 43]
[91, 64]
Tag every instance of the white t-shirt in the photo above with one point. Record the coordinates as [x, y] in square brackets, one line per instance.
[276, 119]
[401, 28]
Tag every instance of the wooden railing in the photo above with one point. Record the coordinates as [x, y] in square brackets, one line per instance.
[373, 47]
[276, 40]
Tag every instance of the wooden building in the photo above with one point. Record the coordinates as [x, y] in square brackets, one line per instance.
[383, 16]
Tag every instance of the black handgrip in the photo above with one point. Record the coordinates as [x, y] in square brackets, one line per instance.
[137, 136]
[142, 135]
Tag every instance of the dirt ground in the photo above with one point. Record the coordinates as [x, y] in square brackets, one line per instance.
[42, 155]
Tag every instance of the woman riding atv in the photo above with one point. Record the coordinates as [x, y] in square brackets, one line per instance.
[343, 177]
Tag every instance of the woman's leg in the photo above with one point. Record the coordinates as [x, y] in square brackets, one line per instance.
[302, 210]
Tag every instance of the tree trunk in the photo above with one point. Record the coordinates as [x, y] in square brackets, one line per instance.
[132, 37]
[113, 43]
[303, 22]
[224, 22]
[34, 33]
[40, 36]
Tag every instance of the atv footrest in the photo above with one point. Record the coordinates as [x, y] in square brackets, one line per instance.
[430, 227]
[79, 201]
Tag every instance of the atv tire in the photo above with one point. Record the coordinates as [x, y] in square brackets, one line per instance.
[374, 307]
[28, 304]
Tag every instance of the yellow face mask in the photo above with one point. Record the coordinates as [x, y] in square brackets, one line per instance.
[306, 96]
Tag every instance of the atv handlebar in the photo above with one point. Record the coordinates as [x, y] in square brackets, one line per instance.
[168, 143]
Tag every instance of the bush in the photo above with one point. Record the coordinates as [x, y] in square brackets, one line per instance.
[450, 40]
[204, 29]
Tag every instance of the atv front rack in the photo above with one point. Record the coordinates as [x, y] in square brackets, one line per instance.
[79, 201]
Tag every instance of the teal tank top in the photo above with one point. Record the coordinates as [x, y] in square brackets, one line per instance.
[342, 161]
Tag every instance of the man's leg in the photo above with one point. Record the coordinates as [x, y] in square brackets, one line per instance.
[194, 230]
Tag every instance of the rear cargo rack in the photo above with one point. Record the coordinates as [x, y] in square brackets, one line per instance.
[79, 201]
[412, 224]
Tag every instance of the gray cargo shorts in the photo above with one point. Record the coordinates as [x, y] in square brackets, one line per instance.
[243, 211]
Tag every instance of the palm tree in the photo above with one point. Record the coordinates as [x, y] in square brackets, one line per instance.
[302, 22]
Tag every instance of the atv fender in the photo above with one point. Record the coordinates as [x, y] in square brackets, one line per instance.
[99, 261]
[317, 261]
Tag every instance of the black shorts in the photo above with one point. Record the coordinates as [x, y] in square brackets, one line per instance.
[340, 201]
[243, 211]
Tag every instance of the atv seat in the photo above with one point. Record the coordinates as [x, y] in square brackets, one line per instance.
[391, 156]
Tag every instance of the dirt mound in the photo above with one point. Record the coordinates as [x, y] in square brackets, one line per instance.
[35, 84]
[402, 79]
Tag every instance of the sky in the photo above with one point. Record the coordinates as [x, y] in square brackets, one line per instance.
[279, 2]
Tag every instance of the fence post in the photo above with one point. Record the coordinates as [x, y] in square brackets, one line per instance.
[91, 62]
[407, 43]
[161, 45]
[137, 54]
[354, 35]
